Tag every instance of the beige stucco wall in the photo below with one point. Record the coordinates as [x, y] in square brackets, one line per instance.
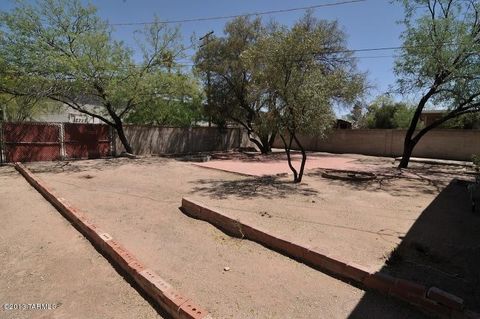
[442, 144]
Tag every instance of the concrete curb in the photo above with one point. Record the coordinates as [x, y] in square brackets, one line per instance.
[429, 299]
[167, 298]
[434, 161]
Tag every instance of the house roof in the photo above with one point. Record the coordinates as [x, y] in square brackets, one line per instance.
[433, 111]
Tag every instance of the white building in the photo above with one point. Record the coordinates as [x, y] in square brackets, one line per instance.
[67, 114]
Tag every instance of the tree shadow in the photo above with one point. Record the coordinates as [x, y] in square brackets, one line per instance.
[393, 182]
[267, 187]
[79, 166]
[441, 249]
[377, 306]
[7, 171]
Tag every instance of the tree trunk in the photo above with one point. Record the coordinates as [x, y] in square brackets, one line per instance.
[262, 145]
[410, 142]
[408, 147]
[121, 135]
[304, 160]
[258, 144]
[288, 147]
[265, 144]
[272, 140]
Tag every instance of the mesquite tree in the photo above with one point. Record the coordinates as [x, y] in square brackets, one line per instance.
[440, 59]
[228, 81]
[61, 50]
[302, 72]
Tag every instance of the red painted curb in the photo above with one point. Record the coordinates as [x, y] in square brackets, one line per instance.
[445, 298]
[431, 300]
[171, 301]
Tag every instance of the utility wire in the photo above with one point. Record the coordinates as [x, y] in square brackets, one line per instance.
[185, 61]
[354, 51]
[331, 4]
[187, 64]
[375, 49]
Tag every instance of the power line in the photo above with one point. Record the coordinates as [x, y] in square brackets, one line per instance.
[331, 4]
[376, 56]
[362, 50]
[185, 64]
[368, 49]
[376, 49]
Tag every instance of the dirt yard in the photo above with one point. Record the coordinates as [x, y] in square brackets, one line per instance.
[415, 224]
[43, 259]
[137, 202]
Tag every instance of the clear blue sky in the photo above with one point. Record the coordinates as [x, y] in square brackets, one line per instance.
[368, 24]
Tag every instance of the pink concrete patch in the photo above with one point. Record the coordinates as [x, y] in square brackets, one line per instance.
[263, 165]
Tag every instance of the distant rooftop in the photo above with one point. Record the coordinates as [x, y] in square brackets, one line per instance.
[434, 111]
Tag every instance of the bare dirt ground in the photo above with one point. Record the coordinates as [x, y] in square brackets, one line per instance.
[360, 221]
[416, 223]
[137, 202]
[43, 259]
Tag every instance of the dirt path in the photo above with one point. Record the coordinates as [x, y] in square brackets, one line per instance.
[137, 202]
[43, 259]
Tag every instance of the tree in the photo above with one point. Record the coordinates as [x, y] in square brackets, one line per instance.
[464, 122]
[440, 58]
[228, 80]
[301, 73]
[385, 113]
[356, 116]
[24, 108]
[180, 103]
[403, 116]
[61, 50]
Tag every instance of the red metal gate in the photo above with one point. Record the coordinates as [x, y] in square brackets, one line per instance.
[30, 142]
[86, 140]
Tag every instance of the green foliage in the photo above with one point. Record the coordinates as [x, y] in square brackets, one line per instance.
[179, 105]
[61, 50]
[25, 108]
[356, 116]
[440, 59]
[299, 73]
[465, 121]
[384, 113]
[230, 92]
[441, 53]
[403, 116]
